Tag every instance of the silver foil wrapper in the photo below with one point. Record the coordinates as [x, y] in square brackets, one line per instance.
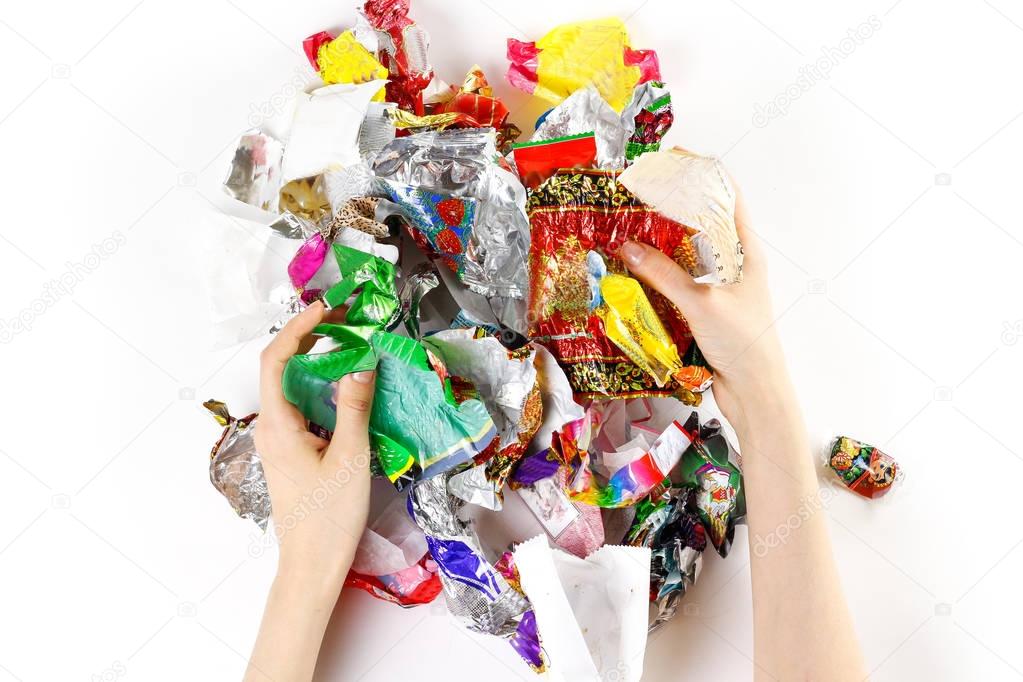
[236, 469]
[586, 111]
[255, 174]
[462, 163]
[475, 592]
[421, 281]
[473, 486]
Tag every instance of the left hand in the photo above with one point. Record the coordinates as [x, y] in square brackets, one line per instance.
[319, 490]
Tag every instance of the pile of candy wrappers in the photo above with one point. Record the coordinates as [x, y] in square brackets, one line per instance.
[513, 350]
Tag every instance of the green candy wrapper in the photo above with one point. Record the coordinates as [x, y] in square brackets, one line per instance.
[417, 428]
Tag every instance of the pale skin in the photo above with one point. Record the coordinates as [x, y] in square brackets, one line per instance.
[801, 624]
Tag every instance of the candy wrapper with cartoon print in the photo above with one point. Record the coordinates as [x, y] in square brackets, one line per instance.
[417, 429]
[696, 191]
[571, 215]
[676, 538]
[573, 56]
[476, 593]
[711, 469]
[863, 469]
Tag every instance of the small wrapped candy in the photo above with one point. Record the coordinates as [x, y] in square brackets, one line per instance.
[236, 469]
[863, 468]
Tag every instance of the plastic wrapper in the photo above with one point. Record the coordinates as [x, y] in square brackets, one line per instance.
[475, 100]
[576, 527]
[441, 225]
[536, 161]
[459, 163]
[345, 60]
[573, 56]
[636, 478]
[591, 613]
[403, 51]
[631, 323]
[255, 175]
[572, 214]
[647, 119]
[863, 469]
[235, 467]
[586, 111]
[697, 192]
[417, 429]
[477, 594]
[711, 469]
[325, 129]
[676, 539]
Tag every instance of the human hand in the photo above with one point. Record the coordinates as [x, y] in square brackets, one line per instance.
[319, 490]
[733, 325]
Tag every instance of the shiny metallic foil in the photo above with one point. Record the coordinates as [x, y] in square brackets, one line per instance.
[235, 467]
[476, 593]
[255, 175]
[461, 163]
[583, 112]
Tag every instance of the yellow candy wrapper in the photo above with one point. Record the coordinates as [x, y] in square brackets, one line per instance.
[573, 56]
[631, 324]
[345, 60]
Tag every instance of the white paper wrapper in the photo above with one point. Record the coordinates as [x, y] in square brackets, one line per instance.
[325, 130]
[695, 191]
[392, 543]
[559, 407]
[591, 613]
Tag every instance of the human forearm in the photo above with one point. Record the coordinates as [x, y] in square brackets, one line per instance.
[294, 620]
[802, 628]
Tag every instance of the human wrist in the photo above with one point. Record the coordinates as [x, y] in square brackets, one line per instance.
[312, 576]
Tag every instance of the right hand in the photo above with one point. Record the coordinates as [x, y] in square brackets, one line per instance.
[732, 324]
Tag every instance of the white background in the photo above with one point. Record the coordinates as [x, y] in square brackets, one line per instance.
[888, 195]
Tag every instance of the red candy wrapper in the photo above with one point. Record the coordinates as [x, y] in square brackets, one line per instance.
[571, 214]
[403, 51]
[864, 469]
[537, 161]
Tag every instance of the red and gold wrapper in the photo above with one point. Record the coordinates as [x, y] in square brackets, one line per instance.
[571, 214]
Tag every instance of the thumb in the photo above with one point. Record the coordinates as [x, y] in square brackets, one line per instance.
[661, 273]
[354, 400]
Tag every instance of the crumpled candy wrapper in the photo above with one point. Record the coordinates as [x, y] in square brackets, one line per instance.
[477, 594]
[572, 214]
[697, 192]
[864, 469]
[255, 175]
[591, 613]
[417, 429]
[676, 539]
[572, 56]
[711, 468]
[235, 467]
[459, 163]
[403, 51]
[325, 129]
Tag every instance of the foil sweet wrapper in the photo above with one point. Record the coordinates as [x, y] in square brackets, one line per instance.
[586, 111]
[417, 428]
[572, 56]
[235, 467]
[710, 468]
[255, 174]
[345, 60]
[403, 50]
[647, 119]
[862, 468]
[631, 323]
[635, 479]
[591, 613]
[538, 160]
[460, 163]
[476, 593]
[696, 191]
[676, 539]
[571, 215]
[416, 285]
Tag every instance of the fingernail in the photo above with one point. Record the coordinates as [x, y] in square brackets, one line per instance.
[363, 377]
[633, 253]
